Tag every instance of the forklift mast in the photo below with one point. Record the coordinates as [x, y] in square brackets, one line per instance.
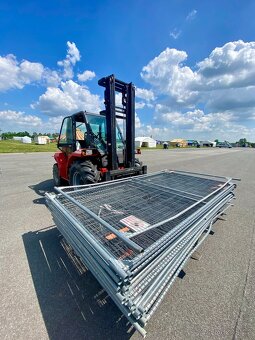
[113, 112]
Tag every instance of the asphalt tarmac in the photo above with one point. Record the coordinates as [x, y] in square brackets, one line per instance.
[43, 295]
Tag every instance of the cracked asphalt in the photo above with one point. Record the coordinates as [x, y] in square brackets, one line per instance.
[43, 295]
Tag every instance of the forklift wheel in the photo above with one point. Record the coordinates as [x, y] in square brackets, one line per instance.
[83, 173]
[58, 181]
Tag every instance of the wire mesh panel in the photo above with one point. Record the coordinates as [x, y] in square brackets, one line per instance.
[186, 183]
[136, 234]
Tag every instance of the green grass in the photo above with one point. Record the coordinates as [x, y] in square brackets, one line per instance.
[11, 146]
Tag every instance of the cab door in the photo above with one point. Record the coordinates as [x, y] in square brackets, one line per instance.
[66, 144]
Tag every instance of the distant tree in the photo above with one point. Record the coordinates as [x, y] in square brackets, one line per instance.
[22, 134]
[217, 141]
[243, 142]
[5, 135]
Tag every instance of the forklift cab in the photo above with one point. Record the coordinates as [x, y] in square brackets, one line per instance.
[88, 131]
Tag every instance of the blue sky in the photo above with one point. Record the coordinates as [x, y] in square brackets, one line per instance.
[193, 63]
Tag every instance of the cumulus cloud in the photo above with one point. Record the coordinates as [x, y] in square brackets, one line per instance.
[15, 74]
[86, 75]
[223, 84]
[156, 132]
[138, 123]
[50, 77]
[72, 56]
[9, 118]
[229, 66]
[67, 98]
[28, 122]
[145, 94]
[198, 124]
[53, 123]
[196, 120]
[169, 76]
[228, 71]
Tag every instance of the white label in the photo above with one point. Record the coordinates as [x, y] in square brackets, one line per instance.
[134, 223]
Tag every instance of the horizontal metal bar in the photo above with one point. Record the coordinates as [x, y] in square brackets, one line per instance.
[197, 173]
[182, 212]
[126, 240]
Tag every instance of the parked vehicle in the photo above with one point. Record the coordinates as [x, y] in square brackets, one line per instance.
[224, 145]
[92, 146]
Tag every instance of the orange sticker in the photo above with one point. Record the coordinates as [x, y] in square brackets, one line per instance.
[112, 236]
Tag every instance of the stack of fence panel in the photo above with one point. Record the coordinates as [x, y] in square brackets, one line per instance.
[136, 234]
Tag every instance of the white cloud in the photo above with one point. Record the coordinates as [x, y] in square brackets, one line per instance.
[72, 56]
[232, 65]
[159, 133]
[223, 81]
[86, 75]
[200, 125]
[145, 94]
[175, 33]
[138, 123]
[53, 124]
[197, 120]
[68, 98]
[169, 76]
[223, 84]
[16, 121]
[51, 77]
[15, 74]
[191, 15]
[11, 120]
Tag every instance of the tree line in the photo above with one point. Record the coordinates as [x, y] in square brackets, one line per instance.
[10, 135]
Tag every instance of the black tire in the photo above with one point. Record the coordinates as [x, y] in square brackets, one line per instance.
[57, 180]
[83, 173]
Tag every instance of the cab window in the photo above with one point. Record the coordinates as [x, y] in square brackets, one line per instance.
[66, 134]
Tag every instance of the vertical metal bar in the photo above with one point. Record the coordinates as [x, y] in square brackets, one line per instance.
[130, 126]
[111, 121]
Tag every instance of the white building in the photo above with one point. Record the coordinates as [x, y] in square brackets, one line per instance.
[42, 140]
[26, 140]
[145, 141]
[17, 138]
[208, 143]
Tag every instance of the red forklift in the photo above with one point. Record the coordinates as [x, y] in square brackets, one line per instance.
[92, 147]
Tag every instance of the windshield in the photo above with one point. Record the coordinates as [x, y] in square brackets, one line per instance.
[97, 125]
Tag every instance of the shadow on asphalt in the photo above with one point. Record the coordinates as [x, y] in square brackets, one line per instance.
[72, 302]
[41, 188]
